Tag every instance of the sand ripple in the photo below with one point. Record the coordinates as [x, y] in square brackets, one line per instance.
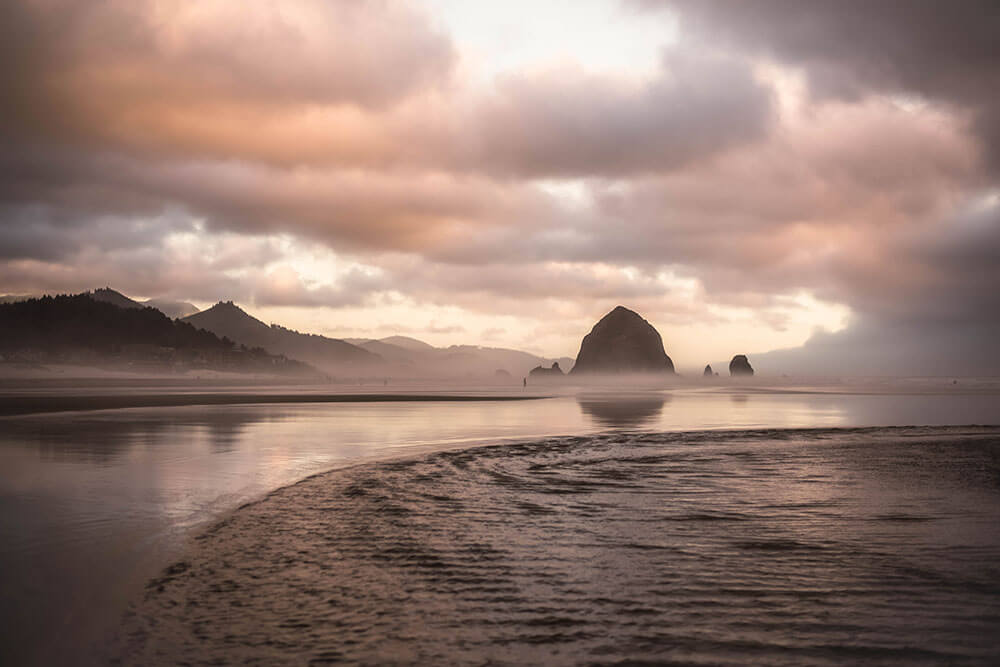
[775, 547]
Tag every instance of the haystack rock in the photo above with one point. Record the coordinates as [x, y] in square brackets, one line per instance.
[708, 371]
[740, 366]
[622, 342]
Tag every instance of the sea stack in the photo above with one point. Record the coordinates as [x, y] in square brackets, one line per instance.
[708, 371]
[542, 372]
[622, 342]
[740, 366]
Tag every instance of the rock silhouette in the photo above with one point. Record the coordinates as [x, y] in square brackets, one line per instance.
[740, 366]
[622, 342]
[708, 371]
[541, 371]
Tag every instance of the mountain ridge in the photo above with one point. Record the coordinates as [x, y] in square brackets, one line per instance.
[170, 308]
[81, 330]
[227, 319]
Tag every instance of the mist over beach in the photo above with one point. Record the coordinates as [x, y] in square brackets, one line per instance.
[438, 332]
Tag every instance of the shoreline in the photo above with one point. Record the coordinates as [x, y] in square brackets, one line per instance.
[911, 431]
[17, 401]
[15, 406]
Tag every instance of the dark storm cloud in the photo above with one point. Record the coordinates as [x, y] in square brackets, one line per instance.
[945, 51]
[934, 311]
[955, 277]
[36, 231]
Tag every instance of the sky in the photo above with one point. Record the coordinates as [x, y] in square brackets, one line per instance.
[819, 178]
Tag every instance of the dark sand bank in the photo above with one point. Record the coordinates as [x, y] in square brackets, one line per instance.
[24, 405]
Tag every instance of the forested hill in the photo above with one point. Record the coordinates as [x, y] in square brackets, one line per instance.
[81, 330]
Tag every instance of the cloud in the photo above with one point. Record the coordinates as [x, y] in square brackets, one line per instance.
[283, 286]
[907, 47]
[340, 122]
[564, 123]
[435, 328]
[492, 333]
[355, 84]
[934, 315]
[173, 149]
[143, 63]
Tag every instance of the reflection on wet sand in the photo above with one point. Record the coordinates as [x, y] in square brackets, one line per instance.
[623, 410]
[51, 403]
[102, 438]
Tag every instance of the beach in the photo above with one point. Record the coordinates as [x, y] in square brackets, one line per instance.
[103, 507]
[775, 547]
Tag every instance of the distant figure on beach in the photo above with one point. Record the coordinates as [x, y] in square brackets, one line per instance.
[525, 382]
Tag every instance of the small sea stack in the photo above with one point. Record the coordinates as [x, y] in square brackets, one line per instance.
[708, 371]
[542, 372]
[740, 366]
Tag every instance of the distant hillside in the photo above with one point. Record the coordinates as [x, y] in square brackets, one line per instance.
[407, 343]
[415, 357]
[172, 309]
[330, 354]
[80, 329]
[484, 360]
[393, 342]
[391, 352]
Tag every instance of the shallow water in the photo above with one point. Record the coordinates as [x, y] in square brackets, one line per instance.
[773, 547]
[94, 503]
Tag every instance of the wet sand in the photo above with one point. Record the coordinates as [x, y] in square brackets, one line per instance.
[95, 502]
[774, 547]
[25, 405]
